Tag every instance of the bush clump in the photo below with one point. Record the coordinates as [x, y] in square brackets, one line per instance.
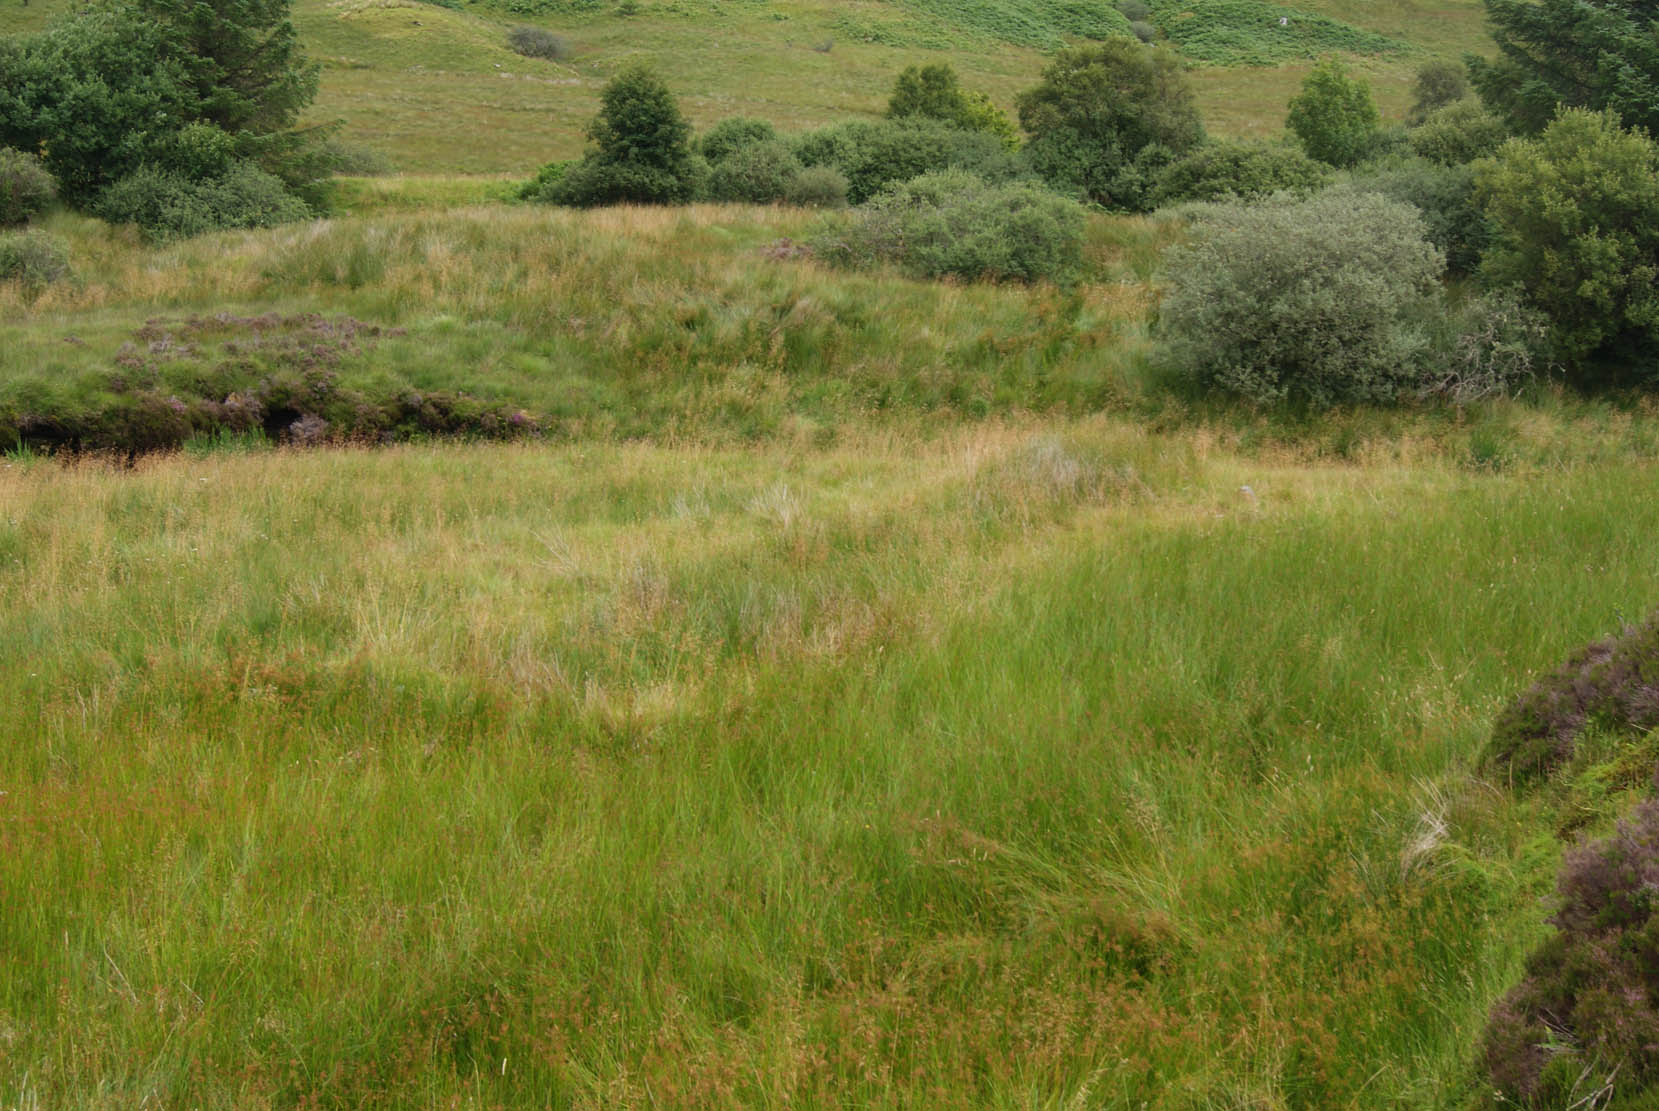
[955, 224]
[1585, 1020]
[1611, 683]
[1490, 345]
[756, 173]
[26, 187]
[1458, 133]
[1439, 82]
[1445, 198]
[538, 42]
[1222, 169]
[1573, 228]
[33, 259]
[168, 204]
[1316, 301]
[732, 134]
[639, 152]
[1334, 116]
[874, 155]
[818, 187]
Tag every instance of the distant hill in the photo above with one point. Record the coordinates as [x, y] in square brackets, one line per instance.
[435, 88]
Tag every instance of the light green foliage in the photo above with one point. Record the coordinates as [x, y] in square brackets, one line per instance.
[732, 134]
[1333, 115]
[1223, 168]
[1439, 82]
[1575, 218]
[954, 224]
[1312, 301]
[33, 258]
[874, 155]
[168, 204]
[640, 150]
[1248, 33]
[1106, 118]
[1458, 133]
[756, 173]
[818, 187]
[1445, 198]
[26, 187]
[934, 92]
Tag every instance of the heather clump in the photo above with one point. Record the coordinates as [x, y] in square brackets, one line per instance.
[1583, 1026]
[1613, 683]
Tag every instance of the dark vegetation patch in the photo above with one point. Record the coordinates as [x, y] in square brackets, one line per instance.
[1611, 684]
[271, 376]
[1581, 1029]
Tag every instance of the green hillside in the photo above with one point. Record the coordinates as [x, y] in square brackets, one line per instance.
[436, 89]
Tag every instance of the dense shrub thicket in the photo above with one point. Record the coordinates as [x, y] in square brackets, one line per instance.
[1107, 119]
[873, 155]
[1439, 82]
[1240, 170]
[26, 187]
[934, 92]
[169, 204]
[1575, 227]
[120, 87]
[758, 173]
[954, 224]
[1315, 301]
[1458, 133]
[732, 134]
[1445, 198]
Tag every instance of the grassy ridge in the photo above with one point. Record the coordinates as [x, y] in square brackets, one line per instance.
[1018, 766]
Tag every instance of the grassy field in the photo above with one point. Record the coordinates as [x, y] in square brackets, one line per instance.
[1015, 765]
[436, 90]
[846, 691]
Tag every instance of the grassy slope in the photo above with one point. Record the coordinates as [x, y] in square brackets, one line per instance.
[1018, 766]
[438, 91]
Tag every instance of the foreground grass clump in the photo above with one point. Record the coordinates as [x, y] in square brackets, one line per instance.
[1024, 765]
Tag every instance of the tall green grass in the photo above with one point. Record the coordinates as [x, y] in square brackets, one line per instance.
[1024, 766]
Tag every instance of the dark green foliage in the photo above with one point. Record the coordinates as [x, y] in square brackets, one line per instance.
[26, 187]
[933, 92]
[639, 152]
[954, 224]
[758, 173]
[732, 134]
[1575, 227]
[1333, 115]
[111, 88]
[90, 92]
[1144, 31]
[1596, 54]
[1445, 198]
[33, 258]
[1106, 118]
[1248, 33]
[1313, 301]
[1439, 82]
[538, 42]
[1587, 1014]
[1134, 10]
[1460, 132]
[1227, 168]
[1610, 684]
[1487, 345]
[874, 155]
[168, 204]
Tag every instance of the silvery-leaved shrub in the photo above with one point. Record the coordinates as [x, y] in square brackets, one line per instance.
[1317, 301]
